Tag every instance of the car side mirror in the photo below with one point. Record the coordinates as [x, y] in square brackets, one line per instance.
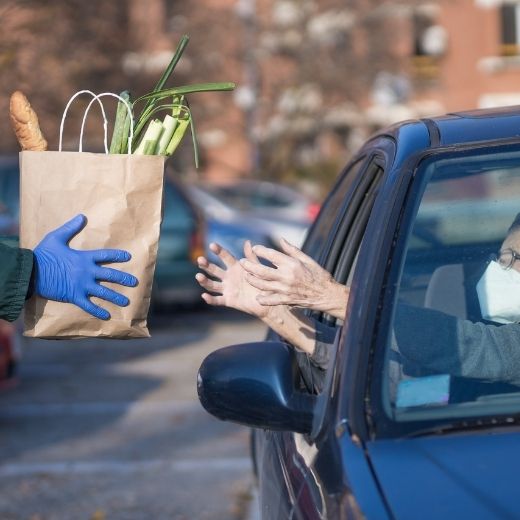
[255, 384]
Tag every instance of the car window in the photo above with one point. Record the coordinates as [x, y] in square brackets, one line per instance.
[346, 232]
[452, 348]
[258, 196]
[9, 197]
[323, 228]
[177, 211]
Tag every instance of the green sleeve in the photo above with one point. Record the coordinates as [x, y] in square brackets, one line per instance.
[15, 274]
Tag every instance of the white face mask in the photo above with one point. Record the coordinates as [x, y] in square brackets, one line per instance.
[499, 294]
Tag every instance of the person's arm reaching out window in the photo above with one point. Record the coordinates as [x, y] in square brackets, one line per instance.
[297, 280]
[231, 289]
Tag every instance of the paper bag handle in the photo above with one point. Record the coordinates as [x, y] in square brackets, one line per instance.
[105, 125]
[128, 108]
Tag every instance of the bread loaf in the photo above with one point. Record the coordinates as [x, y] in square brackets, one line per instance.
[25, 123]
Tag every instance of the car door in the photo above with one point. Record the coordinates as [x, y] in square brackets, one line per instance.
[448, 417]
[295, 473]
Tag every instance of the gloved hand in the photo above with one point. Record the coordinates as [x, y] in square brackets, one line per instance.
[69, 275]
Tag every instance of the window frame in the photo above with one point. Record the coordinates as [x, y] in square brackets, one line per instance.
[378, 423]
[379, 158]
[321, 256]
[509, 27]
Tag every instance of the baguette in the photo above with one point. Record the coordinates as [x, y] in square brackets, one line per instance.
[25, 123]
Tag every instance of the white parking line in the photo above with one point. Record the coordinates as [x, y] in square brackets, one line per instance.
[123, 467]
[27, 410]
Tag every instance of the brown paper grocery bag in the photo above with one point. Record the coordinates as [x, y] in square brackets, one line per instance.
[121, 196]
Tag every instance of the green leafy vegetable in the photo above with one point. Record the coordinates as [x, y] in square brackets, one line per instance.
[154, 136]
[122, 121]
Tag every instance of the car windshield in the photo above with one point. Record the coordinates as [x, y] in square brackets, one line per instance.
[453, 344]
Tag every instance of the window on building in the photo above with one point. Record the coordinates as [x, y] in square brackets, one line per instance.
[429, 44]
[510, 28]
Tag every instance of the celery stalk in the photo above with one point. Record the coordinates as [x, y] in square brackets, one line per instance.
[169, 125]
[150, 138]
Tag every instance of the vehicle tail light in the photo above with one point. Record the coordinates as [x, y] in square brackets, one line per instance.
[313, 210]
[197, 244]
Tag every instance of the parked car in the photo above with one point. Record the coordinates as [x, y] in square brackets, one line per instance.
[418, 412]
[268, 199]
[259, 227]
[9, 195]
[181, 242]
[9, 355]
[225, 225]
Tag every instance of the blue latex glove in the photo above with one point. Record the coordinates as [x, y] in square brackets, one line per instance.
[69, 275]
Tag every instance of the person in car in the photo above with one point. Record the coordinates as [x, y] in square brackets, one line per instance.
[440, 344]
[228, 286]
[429, 341]
[57, 272]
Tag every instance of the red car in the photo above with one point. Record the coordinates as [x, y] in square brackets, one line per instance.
[7, 352]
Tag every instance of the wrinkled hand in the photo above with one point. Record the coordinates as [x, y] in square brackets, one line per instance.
[296, 279]
[69, 275]
[231, 287]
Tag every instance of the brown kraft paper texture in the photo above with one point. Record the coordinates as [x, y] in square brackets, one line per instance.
[121, 196]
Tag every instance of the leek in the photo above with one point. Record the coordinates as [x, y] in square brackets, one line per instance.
[178, 135]
[148, 143]
[169, 124]
[118, 136]
[160, 138]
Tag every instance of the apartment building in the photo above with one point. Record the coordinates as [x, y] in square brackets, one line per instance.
[314, 78]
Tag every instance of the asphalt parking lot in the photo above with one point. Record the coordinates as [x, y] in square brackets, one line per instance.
[103, 430]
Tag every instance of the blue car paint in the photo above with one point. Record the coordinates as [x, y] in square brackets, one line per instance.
[454, 476]
[478, 125]
[457, 475]
[231, 236]
[360, 478]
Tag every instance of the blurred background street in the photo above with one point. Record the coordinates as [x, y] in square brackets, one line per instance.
[114, 430]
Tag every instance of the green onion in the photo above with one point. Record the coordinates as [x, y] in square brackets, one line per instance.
[178, 135]
[161, 138]
[171, 66]
[148, 143]
[187, 89]
[194, 141]
[118, 135]
[169, 124]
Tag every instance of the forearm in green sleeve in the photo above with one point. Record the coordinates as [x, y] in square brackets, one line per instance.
[15, 275]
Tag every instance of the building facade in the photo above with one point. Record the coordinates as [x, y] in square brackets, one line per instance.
[314, 78]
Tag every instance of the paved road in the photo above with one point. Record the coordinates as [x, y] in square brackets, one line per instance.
[112, 430]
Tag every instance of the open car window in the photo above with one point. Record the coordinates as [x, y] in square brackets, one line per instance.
[339, 232]
[318, 244]
[453, 342]
[324, 228]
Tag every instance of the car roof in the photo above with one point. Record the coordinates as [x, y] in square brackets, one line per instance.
[479, 125]
[459, 128]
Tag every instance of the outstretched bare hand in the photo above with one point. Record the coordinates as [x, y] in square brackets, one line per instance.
[296, 280]
[230, 287]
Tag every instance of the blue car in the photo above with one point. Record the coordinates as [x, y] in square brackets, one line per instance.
[226, 226]
[417, 413]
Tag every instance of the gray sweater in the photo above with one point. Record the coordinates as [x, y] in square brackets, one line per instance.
[426, 342]
[434, 342]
